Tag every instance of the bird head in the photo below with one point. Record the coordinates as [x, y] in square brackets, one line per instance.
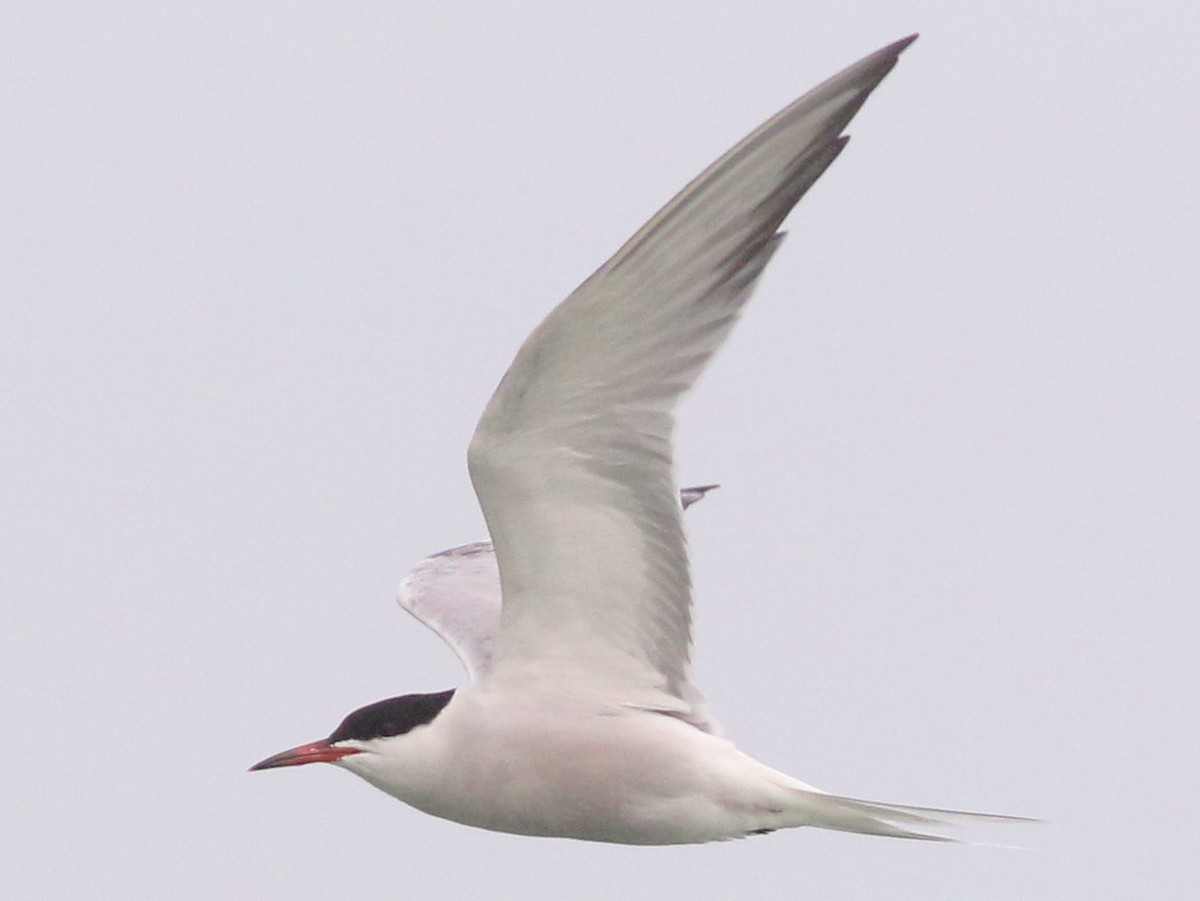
[363, 730]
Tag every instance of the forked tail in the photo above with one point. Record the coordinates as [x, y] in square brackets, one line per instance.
[896, 820]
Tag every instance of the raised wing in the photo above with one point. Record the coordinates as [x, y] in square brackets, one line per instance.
[456, 593]
[572, 459]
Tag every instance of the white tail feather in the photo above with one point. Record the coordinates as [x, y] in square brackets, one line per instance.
[879, 818]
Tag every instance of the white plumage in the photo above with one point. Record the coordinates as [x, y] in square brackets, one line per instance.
[456, 593]
[581, 720]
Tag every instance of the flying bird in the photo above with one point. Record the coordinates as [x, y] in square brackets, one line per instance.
[581, 719]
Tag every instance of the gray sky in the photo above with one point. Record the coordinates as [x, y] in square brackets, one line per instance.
[262, 264]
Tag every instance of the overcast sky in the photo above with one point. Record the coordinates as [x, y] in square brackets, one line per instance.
[262, 264]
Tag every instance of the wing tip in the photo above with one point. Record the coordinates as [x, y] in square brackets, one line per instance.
[694, 493]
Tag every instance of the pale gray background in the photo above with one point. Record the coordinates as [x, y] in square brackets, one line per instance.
[263, 263]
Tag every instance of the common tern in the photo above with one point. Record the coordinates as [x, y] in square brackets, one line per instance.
[581, 719]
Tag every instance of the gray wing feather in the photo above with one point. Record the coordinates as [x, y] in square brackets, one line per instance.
[572, 459]
[456, 594]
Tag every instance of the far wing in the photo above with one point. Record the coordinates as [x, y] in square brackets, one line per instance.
[456, 593]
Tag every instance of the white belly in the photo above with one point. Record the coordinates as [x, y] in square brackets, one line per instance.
[577, 771]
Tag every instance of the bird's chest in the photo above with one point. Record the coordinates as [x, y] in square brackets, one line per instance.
[572, 773]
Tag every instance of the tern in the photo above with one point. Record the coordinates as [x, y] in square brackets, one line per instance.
[581, 719]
